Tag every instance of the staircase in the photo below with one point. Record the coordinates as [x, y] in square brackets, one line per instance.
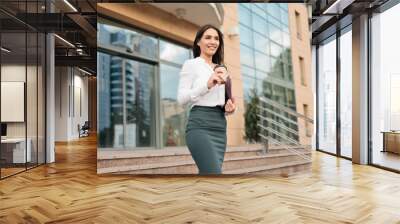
[277, 153]
[238, 160]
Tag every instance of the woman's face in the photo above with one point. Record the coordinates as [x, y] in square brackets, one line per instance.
[209, 42]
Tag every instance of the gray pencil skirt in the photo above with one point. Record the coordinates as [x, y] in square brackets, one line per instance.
[206, 138]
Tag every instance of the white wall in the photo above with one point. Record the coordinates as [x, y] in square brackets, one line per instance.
[12, 73]
[69, 82]
[33, 126]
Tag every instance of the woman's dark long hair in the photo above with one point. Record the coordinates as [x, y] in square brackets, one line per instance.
[218, 57]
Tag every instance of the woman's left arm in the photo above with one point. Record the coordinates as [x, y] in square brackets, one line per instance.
[230, 107]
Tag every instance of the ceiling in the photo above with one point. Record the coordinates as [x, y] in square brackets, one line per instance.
[73, 20]
[330, 15]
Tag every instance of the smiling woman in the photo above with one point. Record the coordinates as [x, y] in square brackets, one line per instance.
[204, 89]
[168, 74]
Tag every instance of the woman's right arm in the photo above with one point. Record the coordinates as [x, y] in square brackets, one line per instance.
[187, 92]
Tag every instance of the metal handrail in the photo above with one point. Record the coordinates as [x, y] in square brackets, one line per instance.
[290, 140]
[286, 139]
[286, 109]
[279, 124]
[278, 115]
[300, 154]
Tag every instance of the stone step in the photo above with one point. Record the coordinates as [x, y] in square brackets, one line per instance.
[285, 168]
[139, 158]
[189, 167]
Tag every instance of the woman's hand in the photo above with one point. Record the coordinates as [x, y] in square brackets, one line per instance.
[215, 79]
[230, 106]
[223, 73]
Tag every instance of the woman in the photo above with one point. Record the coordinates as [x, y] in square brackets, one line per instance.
[204, 89]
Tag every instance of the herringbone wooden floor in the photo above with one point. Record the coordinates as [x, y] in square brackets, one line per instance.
[70, 191]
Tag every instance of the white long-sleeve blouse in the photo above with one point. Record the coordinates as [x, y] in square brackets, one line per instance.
[193, 85]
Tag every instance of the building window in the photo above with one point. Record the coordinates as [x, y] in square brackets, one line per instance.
[298, 24]
[385, 89]
[130, 89]
[302, 72]
[327, 97]
[346, 94]
[173, 115]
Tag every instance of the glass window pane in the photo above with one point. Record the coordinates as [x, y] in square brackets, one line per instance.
[139, 96]
[274, 10]
[261, 43]
[284, 17]
[127, 40]
[267, 89]
[260, 75]
[247, 71]
[173, 53]
[32, 100]
[276, 50]
[246, 5]
[273, 20]
[110, 101]
[246, 56]
[41, 99]
[346, 94]
[262, 62]
[14, 155]
[275, 33]
[327, 98]
[285, 40]
[385, 88]
[173, 115]
[279, 94]
[259, 25]
[138, 92]
[246, 36]
[249, 83]
[259, 10]
[244, 15]
[277, 69]
[284, 6]
[286, 56]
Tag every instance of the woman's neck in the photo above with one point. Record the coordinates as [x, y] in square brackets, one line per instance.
[207, 59]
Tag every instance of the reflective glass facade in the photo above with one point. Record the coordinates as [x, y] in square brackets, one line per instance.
[138, 76]
[265, 57]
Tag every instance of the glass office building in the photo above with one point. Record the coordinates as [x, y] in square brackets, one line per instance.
[266, 60]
